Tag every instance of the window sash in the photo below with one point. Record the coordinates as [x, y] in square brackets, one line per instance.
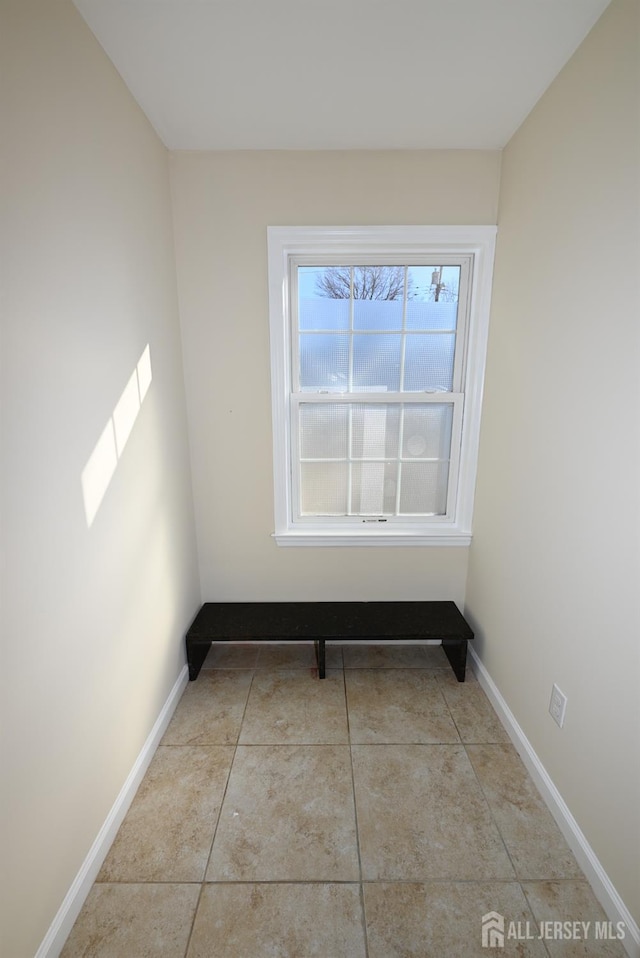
[465, 262]
[455, 396]
[455, 400]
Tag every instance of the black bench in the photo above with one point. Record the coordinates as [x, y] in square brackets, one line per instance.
[318, 621]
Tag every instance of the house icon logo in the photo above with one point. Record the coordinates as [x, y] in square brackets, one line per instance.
[493, 930]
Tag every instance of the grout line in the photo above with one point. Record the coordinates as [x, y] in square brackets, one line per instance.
[535, 918]
[351, 881]
[193, 921]
[488, 803]
[222, 800]
[355, 812]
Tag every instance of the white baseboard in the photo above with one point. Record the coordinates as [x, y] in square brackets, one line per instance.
[603, 888]
[69, 910]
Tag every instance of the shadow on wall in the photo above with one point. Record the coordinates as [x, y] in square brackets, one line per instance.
[101, 465]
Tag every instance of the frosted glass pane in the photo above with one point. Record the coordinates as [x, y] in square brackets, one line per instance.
[324, 314]
[381, 446]
[375, 431]
[324, 361]
[376, 362]
[323, 431]
[429, 362]
[323, 488]
[373, 488]
[432, 316]
[426, 431]
[377, 314]
[423, 488]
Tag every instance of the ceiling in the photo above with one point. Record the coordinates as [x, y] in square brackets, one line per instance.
[338, 74]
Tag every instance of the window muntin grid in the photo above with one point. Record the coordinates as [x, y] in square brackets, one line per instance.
[396, 354]
[365, 459]
[344, 343]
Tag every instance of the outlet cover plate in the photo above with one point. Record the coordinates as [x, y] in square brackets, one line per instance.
[558, 705]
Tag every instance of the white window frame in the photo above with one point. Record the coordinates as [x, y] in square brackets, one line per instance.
[289, 245]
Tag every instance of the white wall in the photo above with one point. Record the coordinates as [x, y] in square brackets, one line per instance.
[223, 203]
[554, 566]
[93, 618]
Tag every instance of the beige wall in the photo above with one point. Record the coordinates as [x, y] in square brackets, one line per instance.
[554, 566]
[93, 618]
[223, 204]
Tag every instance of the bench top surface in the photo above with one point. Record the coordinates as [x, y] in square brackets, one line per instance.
[322, 620]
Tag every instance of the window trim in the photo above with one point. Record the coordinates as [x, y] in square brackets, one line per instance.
[285, 242]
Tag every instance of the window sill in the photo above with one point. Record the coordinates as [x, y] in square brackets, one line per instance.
[370, 539]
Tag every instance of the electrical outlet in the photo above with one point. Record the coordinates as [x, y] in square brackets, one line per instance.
[557, 705]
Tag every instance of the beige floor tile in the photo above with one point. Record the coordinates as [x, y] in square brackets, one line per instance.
[210, 710]
[136, 921]
[443, 919]
[279, 921]
[535, 843]
[288, 815]
[364, 656]
[167, 833]
[422, 816]
[448, 677]
[435, 658]
[472, 712]
[397, 705]
[287, 708]
[231, 655]
[334, 657]
[572, 901]
[292, 655]
[434, 817]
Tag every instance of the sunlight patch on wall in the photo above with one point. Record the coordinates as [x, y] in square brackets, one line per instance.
[126, 413]
[101, 465]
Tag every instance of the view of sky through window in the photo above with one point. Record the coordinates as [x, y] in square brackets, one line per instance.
[422, 282]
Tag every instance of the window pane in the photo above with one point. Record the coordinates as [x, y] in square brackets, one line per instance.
[324, 361]
[323, 431]
[325, 282]
[321, 305]
[377, 315]
[376, 362]
[375, 431]
[437, 284]
[323, 488]
[426, 431]
[429, 362]
[432, 316]
[423, 488]
[373, 488]
[379, 283]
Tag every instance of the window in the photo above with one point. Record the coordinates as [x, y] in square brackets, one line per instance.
[378, 341]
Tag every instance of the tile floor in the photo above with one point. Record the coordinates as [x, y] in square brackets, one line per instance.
[377, 814]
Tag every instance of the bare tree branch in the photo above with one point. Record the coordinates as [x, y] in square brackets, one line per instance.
[369, 282]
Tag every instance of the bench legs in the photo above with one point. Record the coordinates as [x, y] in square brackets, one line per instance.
[456, 651]
[320, 657]
[196, 654]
